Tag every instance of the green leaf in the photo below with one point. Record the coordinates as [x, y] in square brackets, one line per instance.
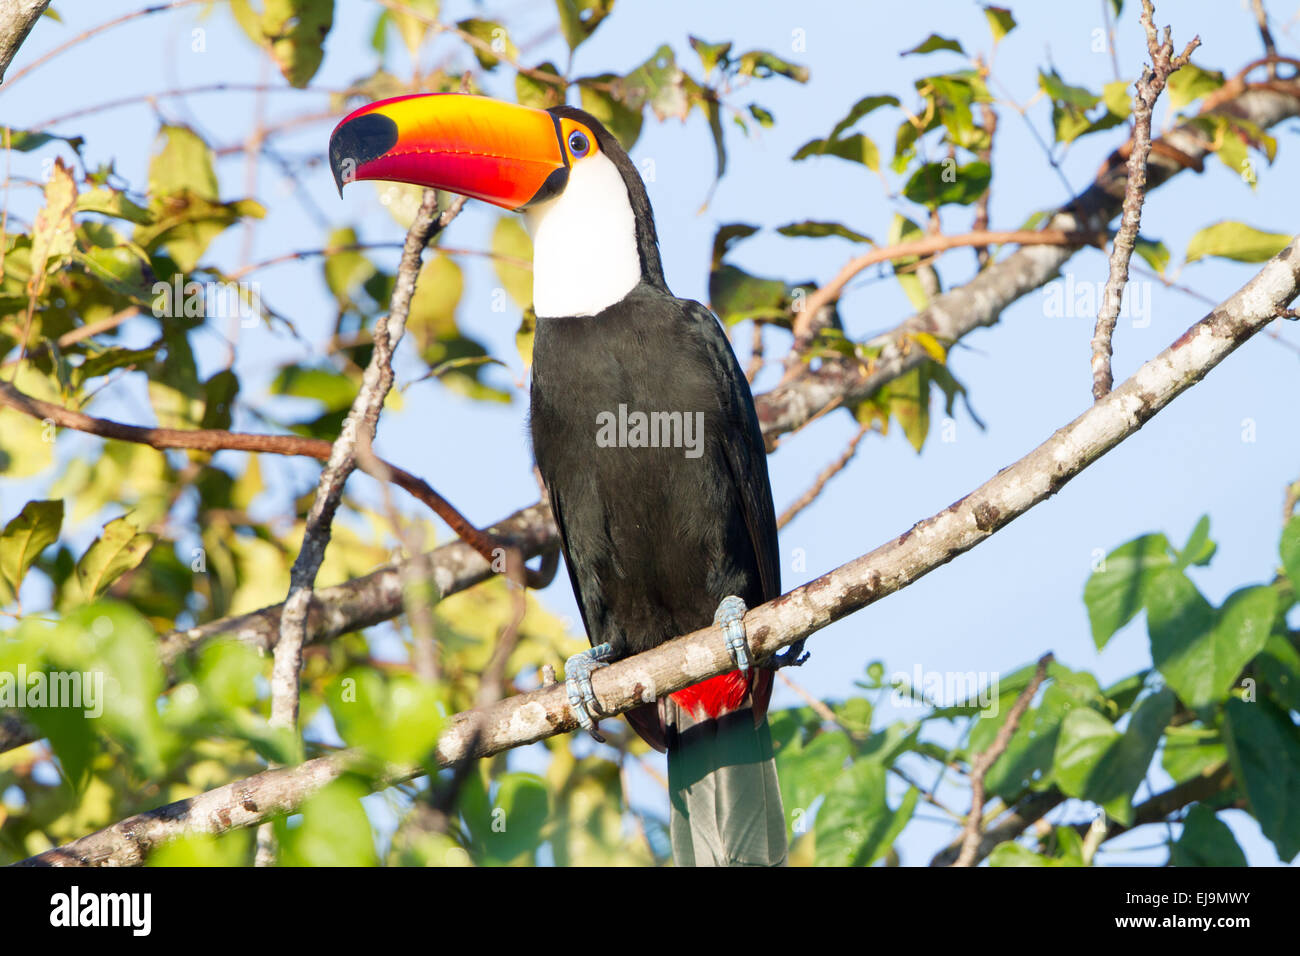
[1265, 754]
[807, 771]
[393, 720]
[54, 231]
[539, 94]
[619, 118]
[1001, 22]
[938, 184]
[761, 64]
[1154, 252]
[112, 202]
[660, 83]
[1199, 651]
[855, 825]
[1192, 751]
[728, 235]
[29, 533]
[414, 29]
[294, 32]
[1096, 762]
[510, 823]
[326, 385]
[119, 548]
[495, 36]
[432, 324]
[861, 108]
[333, 831]
[857, 148]
[1191, 83]
[1116, 97]
[1114, 594]
[1206, 841]
[230, 849]
[580, 18]
[1013, 854]
[1061, 92]
[1027, 761]
[934, 42]
[346, 269]
[1279, 665]
[182, 163]
[902, 229]
[813, 229]
[510, 238]
[113, 640]
[710, 54]
[1236, 241]
[735, 295]
[1199, 548]
[1289, 548]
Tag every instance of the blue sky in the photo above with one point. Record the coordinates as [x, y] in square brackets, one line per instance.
[992, 610]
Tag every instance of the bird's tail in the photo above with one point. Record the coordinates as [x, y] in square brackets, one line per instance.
[726, 804]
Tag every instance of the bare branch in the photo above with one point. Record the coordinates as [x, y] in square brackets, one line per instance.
[687, 660]
[827, 473]
[358, 428]
[983, 763]
[1148, 89]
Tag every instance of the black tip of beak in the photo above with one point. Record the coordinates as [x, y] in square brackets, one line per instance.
[359, 141]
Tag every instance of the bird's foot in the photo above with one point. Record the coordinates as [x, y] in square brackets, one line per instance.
[792, 656]
[577, 680]
[730, 616]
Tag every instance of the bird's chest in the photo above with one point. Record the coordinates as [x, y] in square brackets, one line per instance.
[624, 411]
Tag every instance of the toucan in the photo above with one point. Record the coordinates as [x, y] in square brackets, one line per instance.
[644, 432]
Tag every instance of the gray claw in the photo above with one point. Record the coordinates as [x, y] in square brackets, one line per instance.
[577, 681]
[730, 616]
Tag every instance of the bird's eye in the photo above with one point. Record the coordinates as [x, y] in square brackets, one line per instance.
[578, 143]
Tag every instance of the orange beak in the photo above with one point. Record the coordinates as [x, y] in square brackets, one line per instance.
[502, 153]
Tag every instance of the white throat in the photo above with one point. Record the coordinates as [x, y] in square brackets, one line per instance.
[584, 243]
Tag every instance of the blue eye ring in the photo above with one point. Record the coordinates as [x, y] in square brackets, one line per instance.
[579, 144]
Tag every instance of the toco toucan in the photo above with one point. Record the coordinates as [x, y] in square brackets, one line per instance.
[644, 431]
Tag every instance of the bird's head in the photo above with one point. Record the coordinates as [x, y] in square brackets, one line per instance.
[585, 203]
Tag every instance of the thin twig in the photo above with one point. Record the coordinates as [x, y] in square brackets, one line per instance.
[830, 292]
[1265, 34]
[1147, 91]
[827, 473]
[983, 762]
[93, 31]
[215, 439]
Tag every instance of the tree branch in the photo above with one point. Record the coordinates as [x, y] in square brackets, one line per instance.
[14, 27]
[979, 303]
[1147, 90]
[981, 765]
[687, 660]
[216, 439]
[357, 432]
